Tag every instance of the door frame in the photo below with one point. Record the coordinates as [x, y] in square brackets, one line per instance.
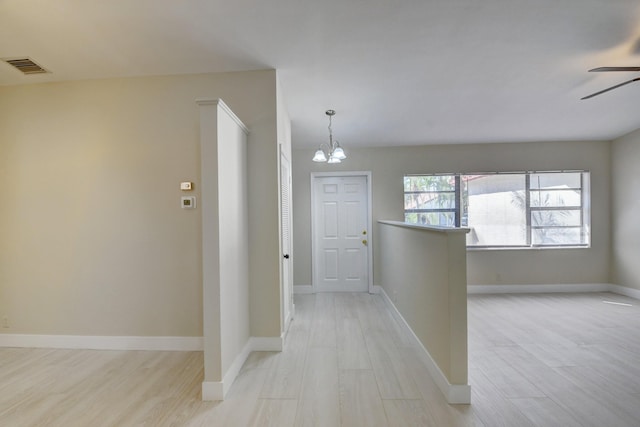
[287, 301]
[367, 175]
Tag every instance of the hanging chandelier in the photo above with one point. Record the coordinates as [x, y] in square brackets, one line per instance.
[331, 152]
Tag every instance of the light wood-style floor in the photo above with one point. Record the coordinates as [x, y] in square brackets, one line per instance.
[535, 360]
[555, 360]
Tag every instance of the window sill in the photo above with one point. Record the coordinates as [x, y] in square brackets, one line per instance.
[527, 248]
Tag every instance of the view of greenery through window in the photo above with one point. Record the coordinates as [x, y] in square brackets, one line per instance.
[532, 209]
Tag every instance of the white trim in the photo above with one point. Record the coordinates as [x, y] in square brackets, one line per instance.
[368, 175]
[454, 393]
[212, 390]
[308, 289]
[436, 228]
[235, 367]
[287, 321]
[217, 390]
[370, 227]
[225, 107]
[623, 290]
[285, 264]
[534, 289]
[129, 343]
[459, 394]
[559, 288]
[337, 288]
[303, 289]
[102, 342]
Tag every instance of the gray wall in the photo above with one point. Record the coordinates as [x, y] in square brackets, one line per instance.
[529, 266]
[625, 203]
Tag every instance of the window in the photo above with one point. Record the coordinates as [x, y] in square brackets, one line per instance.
[504, 210]
[431, 200]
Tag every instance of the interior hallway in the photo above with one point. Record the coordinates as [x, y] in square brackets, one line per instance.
[535, 360]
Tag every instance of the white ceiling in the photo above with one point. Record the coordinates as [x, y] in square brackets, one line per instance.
[397, 72]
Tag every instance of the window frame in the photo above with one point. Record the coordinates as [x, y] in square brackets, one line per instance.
[456, 196]
[459, 210]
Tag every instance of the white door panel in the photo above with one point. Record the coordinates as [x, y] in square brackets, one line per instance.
[330, 212]
[353, 222]
[340, 233]
[330, 265]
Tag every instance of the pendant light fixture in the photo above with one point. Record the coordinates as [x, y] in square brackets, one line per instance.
[331, 152]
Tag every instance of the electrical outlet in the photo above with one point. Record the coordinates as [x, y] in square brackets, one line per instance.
[5, 322]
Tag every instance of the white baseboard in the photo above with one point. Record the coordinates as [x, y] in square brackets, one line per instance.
[375, 289]
[287, 323]
[217, 390]
[561, 288]
[454, 393]
[102, 342]
[533, 289]
[303, 289]
[623, 290]
[213, 390]
[308, 289]
[126, 343]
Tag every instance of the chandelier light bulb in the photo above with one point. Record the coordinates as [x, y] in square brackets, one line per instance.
[330, 152]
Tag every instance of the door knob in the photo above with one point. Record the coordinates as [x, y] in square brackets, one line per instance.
[364, 242]
[286, 256]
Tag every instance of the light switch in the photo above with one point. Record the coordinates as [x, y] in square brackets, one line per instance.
[188, 202]
[186, 186]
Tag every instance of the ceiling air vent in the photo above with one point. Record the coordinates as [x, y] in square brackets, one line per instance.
[26, 65]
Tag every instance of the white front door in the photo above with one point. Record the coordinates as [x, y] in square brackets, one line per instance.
[341, 247]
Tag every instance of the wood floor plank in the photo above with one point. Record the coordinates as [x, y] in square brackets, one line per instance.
[408, 413]
[544, 412]
[319, 403]
[572, 398]
[368, 314]
[284, 377]
[606, 392]
[540, 360]
[498, 412]
[557, 355]
[323, 329]
[394, 378]
[506, 379]
[352, 349]
[304, 312]
[360, 402]
[345, 306]
[582, 327]
[274, 413]
[625, 376]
